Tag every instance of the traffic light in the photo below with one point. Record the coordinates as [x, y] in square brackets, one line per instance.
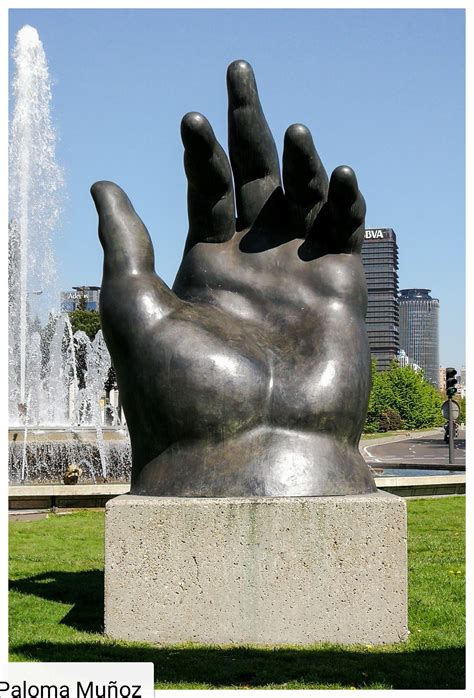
[451, 382]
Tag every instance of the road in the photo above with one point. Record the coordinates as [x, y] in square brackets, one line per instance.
[429, 449]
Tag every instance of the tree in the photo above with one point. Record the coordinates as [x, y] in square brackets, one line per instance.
[82, 303]
[462, 408]
[416, 400]
[390, 420]
[381, 399]
[86, 320]
[401, 398]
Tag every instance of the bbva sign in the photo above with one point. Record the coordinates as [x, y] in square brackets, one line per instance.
[373, 234]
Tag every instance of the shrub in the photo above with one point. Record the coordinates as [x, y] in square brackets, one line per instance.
[390, 420]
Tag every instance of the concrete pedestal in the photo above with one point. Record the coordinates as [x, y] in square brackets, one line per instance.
[296, 570]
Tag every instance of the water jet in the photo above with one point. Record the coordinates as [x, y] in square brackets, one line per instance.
[48, 396]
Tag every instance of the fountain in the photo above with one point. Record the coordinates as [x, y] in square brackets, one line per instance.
[55, 414]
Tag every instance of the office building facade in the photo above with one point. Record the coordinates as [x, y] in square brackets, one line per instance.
[404, 360]
[419, 330]
[71, 300]
[380, 260]
[462, 382]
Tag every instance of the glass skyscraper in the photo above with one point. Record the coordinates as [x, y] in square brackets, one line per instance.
[380, 260]
[419, 331]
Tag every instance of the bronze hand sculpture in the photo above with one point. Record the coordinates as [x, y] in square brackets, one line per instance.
[251, 376]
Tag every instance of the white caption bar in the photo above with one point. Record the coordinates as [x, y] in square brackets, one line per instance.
[76, 680]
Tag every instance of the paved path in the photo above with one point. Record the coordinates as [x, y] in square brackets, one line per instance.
[427, 448]
[403, 436]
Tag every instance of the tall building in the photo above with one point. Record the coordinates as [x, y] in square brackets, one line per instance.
[380, 260]
[404, 360]
[442, 378]
[462, 382]
[461, 378]
[419, 330]
[70, 300]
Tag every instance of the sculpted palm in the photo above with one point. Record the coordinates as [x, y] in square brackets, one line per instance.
[252, 375]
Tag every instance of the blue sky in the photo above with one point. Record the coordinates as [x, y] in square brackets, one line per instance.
[381, 90]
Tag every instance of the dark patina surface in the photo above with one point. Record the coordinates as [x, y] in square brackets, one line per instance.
[252, 375]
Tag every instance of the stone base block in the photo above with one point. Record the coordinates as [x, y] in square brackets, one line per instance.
[292, 570]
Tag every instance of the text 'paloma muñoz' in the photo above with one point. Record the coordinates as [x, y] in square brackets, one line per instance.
[82, 690]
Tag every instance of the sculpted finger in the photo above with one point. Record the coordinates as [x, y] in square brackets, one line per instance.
[339, 227]
[127, 245]
[252, 150]
[133, 298]
[211, 211]
[304, 178]
[347, 206]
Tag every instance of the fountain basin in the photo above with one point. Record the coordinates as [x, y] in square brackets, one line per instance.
[46, 453]
[24, 499]
[423, 485]
[61, 433]
[27, 498]
[419, 472]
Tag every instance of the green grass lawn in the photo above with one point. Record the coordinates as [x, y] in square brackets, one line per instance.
[56, 611]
